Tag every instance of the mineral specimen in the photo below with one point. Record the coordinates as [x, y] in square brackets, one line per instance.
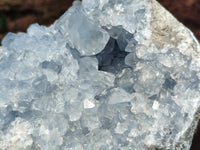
[107, 75]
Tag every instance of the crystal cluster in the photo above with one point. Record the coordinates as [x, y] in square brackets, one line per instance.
[107, 75]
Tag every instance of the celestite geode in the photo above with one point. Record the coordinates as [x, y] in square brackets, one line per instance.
[107, 75]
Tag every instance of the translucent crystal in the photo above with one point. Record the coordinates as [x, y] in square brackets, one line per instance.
[107, 75]
[86, 36]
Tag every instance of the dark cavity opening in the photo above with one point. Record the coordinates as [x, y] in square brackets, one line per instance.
[112, 58]
[169, 83]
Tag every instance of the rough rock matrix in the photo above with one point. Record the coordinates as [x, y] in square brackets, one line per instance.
[107, 75]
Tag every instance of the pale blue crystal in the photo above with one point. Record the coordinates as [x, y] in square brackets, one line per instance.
[107, 75]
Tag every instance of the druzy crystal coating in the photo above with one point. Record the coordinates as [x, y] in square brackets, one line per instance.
[107, 75]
